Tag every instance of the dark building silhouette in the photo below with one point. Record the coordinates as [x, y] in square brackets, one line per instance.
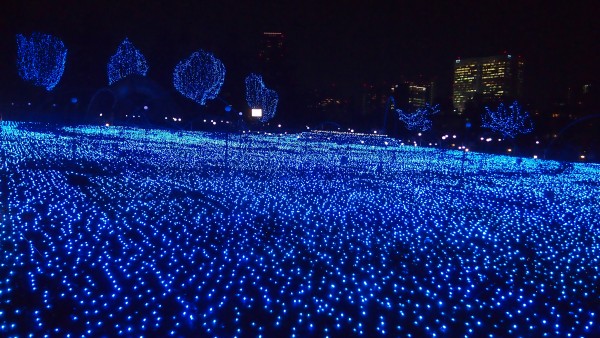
[272, 50]
[420, 94]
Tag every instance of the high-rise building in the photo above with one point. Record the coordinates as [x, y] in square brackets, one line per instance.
[487, 80]
[272, 48]
[420, 94]
[273, 65]
[413, 94]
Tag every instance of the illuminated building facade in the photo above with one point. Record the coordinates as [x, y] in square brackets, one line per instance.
[420, 94]
[487, 80]
[413, 94]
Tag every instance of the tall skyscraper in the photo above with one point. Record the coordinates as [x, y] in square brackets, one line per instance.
[273, 65]
[272, 48]
[487, 80]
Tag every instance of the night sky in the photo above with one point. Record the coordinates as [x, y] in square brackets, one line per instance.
[341, 42]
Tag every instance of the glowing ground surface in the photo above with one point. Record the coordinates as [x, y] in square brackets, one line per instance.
[116, 231]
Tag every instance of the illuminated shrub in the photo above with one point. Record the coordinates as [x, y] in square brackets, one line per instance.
[41, 59]
[199, 77]
[126, 61]
[259, 96]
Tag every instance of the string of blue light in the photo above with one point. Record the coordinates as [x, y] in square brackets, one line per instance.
[199, 77]
[41, 59]
[126, 61]
[419, 119]
[510, 121]
[259, 96]
[392, 240]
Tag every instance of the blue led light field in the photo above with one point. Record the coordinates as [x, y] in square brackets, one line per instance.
[111, 231]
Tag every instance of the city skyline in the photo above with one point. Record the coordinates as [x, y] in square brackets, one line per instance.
[326, 43]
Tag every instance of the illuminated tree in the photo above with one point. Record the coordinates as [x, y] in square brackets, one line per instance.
[418, 119]
[510, 121]
[199, 77]
[259, 96]
[41, 59]
[127, 60]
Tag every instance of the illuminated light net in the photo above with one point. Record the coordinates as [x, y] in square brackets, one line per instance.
[259, 96]
[199, 77]
[419, 119]
[289, 243]
[41, 59]
[510, 121]
[126, 61]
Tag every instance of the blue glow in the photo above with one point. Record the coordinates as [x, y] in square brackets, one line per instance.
[117, 231]
[510, 122]
[418, 119]
[41, 59]
[126, 61]
[199, 77]
[259, 96]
